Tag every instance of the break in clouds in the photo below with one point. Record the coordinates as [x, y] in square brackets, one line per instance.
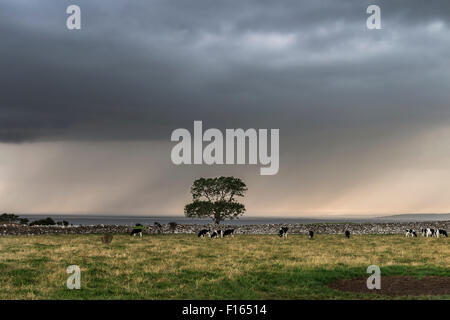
[86, 115]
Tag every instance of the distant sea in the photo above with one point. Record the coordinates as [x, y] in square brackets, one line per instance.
[131, 220]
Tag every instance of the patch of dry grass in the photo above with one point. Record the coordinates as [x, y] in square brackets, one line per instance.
[186, 267]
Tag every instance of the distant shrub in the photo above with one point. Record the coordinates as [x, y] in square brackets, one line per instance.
[23, 221]
[159, 227]
[9, 217]
[107, 238]
[43, 222]
[173, 226]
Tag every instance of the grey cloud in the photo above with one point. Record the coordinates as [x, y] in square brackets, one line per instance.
[138, 70]
[355, 108]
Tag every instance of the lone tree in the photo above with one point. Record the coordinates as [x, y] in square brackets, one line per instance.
[215, 198]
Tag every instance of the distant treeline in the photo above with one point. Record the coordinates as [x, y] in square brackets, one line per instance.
[12, 218]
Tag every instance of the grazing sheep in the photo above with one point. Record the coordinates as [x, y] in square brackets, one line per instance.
[347, 234]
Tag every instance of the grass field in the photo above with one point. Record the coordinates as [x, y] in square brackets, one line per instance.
[186, 267]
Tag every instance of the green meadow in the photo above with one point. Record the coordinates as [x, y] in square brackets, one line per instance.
[179, 266]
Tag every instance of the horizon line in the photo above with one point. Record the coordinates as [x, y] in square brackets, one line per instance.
[331, 216]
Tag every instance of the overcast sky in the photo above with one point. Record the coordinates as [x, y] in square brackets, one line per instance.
[86, 115]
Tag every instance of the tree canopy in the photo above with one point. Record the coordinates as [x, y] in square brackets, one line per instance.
[10, 217]
[216, 198]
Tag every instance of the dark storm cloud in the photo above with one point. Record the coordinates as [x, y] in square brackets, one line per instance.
[138, 70]
[363, 114]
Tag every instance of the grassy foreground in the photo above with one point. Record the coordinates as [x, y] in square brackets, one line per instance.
[186, 267]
